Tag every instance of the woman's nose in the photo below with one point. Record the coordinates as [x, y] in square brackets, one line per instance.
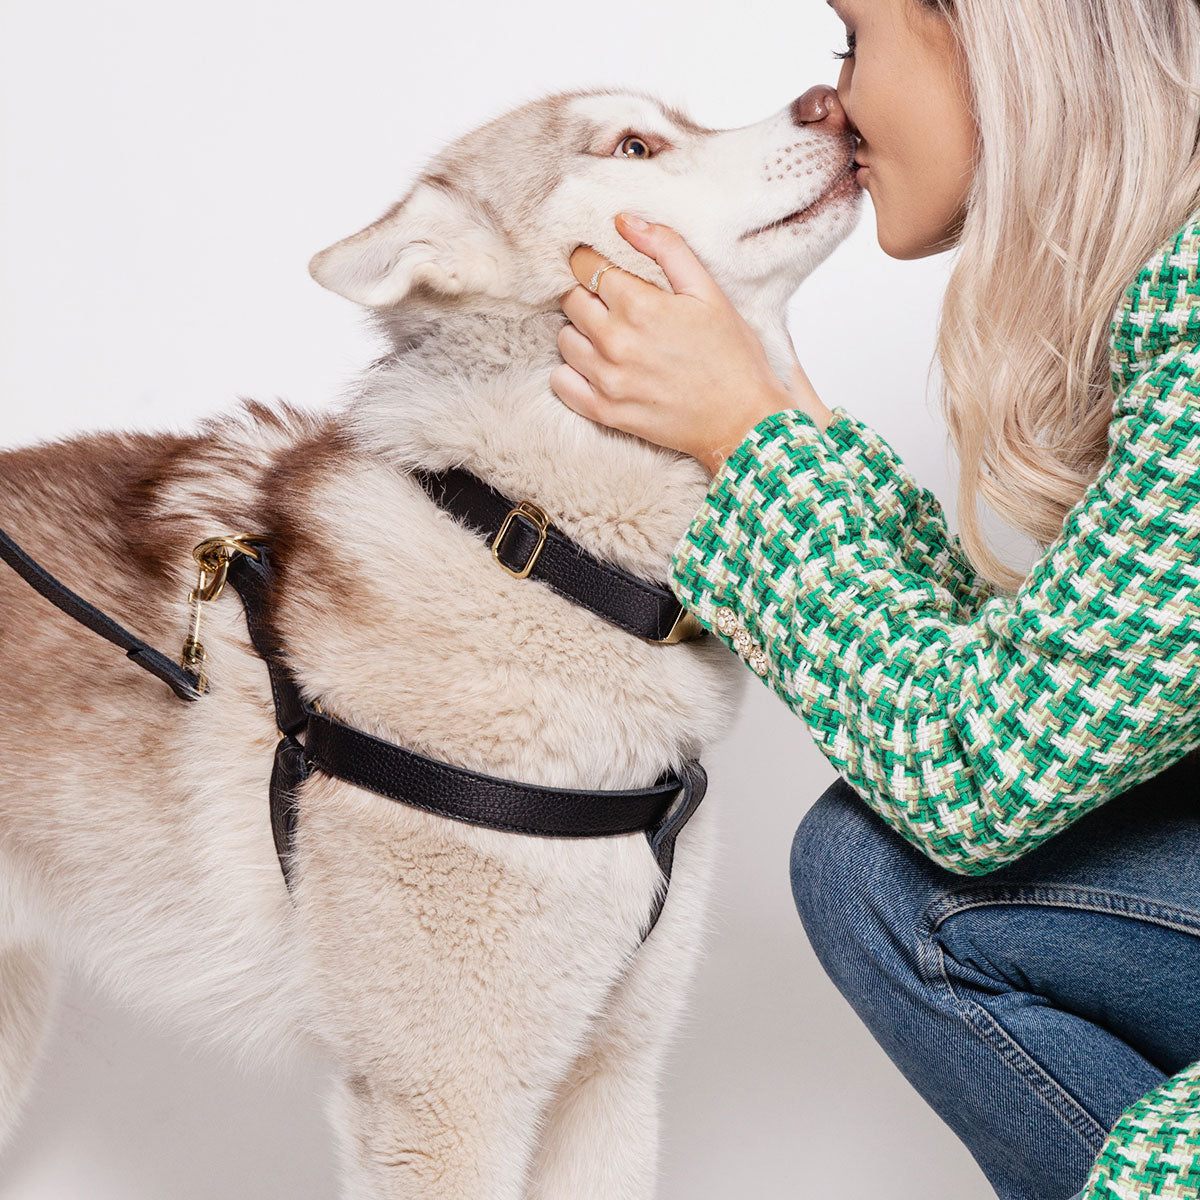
[821, 103]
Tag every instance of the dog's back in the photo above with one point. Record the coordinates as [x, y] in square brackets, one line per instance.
[126, 849]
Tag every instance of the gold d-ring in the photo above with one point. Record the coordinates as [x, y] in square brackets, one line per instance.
[594, 285]
[213, 556]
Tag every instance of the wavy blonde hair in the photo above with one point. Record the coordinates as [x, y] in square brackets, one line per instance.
[1088, 114]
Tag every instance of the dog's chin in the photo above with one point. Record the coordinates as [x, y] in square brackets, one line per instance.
[785, 255]
[842, 195]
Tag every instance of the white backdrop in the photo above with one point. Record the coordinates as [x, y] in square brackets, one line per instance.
[168, 170]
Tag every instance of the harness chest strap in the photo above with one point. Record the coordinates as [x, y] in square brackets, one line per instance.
[659, 811]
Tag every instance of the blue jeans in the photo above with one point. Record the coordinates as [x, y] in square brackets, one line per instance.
[1032, 1005]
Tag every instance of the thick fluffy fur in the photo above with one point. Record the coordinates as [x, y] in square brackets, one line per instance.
[497, 1030]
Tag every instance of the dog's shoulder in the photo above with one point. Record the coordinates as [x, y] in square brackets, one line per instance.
[139, 501]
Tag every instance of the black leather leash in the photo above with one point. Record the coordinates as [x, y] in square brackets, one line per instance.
[525, 544]
[660, 811]
[184, 684]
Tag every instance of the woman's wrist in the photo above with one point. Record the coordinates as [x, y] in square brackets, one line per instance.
[774, 400]
[799, 395]
[804, 396]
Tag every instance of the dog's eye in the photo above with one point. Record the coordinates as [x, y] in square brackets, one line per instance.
[631, 147]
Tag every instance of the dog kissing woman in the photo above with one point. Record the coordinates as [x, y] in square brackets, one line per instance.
[1003, 880]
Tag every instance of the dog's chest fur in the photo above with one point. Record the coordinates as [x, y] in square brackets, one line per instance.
[397, 614]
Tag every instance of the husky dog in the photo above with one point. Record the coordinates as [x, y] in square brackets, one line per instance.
[497, 1030]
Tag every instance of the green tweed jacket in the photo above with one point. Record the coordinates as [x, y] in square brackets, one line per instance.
[977, 725]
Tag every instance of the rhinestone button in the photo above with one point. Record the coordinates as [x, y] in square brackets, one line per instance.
[758, 661]
[742, 641]
[726, 621]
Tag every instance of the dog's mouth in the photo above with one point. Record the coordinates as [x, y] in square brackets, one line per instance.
[842, 185]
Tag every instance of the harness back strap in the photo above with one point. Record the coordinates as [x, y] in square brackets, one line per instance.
[660, 811]
[181, 682]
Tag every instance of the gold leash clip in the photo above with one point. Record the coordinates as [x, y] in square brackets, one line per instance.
[213, 556]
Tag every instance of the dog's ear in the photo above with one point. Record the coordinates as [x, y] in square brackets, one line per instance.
[435, 236]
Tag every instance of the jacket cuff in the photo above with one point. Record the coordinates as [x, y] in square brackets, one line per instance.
[723, 568]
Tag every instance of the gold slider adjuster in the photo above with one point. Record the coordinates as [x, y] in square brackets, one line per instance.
[684, 628]
[531, 512]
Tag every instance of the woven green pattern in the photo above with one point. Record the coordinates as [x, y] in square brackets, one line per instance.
[1153, 1151]
[907, 516]
[978, 725]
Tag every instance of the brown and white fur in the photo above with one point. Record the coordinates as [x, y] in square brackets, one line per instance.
[496, 1029]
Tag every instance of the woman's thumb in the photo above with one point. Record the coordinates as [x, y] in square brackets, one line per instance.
[684, 271]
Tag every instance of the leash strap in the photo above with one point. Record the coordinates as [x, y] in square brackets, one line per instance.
[528, 546]
[181, 682]
[389, 770]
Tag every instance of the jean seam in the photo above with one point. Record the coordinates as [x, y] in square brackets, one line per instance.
[1065, 1106]
[1167, 916]
[983, 1022]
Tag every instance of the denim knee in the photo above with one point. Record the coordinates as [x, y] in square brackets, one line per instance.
[859, 889]
[825, 865]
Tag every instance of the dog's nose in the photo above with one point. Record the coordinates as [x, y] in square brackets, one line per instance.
[821, 103]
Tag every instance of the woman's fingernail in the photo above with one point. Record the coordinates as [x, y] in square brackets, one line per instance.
[635, 222]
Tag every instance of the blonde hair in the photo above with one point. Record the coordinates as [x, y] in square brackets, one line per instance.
[1088, 114]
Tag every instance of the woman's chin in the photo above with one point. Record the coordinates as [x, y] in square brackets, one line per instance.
[904, 241]
[917, 237]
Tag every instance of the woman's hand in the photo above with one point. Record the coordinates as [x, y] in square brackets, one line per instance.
[681, 369]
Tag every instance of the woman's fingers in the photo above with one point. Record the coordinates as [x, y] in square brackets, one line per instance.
[578, 351]
[618, 289]
[589, 314]
[603, 330]
[578, 394]
[686, 274]
[585, 262]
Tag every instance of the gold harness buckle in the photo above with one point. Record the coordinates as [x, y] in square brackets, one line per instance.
[531, 512]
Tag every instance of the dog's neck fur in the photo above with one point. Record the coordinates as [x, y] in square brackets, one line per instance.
[468, 385]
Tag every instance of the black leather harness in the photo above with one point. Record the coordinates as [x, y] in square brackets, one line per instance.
[526, 545]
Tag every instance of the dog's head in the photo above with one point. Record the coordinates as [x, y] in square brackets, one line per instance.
[498, 212]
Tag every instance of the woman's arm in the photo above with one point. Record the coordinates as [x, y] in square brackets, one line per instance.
[1154, 1149]
[908, 516]
[976, 739]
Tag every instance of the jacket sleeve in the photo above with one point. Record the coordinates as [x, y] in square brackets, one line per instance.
[1154, 1149]
[974, 737]
[907, 516]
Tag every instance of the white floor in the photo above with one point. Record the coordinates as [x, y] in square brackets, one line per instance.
[775, 1090]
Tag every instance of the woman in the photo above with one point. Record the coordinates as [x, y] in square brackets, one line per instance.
[1003, 880]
